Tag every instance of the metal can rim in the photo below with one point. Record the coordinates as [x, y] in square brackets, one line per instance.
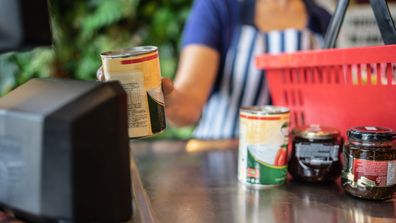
[265, 110]
[128, 52]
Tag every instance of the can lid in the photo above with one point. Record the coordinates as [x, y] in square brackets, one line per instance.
[264, 110]
[371, 133]
[133, 51]
[315, 131]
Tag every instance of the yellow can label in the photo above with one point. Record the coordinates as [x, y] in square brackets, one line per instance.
[140, 76]
[263, 146]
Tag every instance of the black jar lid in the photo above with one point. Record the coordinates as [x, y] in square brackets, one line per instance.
[371, 133]
[315, 131]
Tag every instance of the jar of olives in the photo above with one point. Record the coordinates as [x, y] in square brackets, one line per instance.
[315, 154]
[369, 163]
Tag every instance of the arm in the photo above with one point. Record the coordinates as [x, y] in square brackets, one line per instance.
[194, 80]
[198, 64]
[199, 61]
[184, 99]
[196, 73]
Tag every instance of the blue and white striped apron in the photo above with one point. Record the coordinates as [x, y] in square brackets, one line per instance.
[243, 84]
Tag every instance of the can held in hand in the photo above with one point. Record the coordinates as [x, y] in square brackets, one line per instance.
[138, 70]
[263, 144]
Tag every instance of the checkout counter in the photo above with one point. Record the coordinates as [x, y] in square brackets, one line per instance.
[177, 181]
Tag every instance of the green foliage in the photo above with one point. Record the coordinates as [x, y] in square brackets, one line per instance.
[82, 29]
[17, 68]
[163, 27]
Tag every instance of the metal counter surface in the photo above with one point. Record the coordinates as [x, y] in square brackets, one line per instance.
[194, 187]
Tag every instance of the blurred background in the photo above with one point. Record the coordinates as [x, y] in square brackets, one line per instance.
[82, 29]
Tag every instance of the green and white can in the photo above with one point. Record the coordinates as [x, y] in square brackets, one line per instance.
[263, 144]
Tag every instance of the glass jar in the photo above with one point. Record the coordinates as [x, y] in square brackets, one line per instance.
[369, 165]
[315, 154]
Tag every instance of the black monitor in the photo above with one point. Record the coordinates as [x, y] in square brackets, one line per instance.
[64, 151]
[24, 24]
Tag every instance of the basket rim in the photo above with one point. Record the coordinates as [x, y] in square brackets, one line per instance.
[328, 57]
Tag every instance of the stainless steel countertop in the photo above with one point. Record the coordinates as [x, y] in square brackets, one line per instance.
[191, 186]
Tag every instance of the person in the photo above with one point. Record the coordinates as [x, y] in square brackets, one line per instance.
[216, 73]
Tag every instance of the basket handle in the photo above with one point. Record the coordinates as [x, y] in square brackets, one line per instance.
[382, 16]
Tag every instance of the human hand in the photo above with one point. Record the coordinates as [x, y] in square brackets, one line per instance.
[170, 99]
[167, 86]
[6, 218]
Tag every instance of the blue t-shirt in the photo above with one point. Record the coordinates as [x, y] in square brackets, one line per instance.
[213, 22]
[220, 25]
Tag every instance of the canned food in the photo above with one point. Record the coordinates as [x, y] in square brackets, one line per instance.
[263, 145]
[138, 71]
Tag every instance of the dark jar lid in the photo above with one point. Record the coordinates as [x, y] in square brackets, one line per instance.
[371, 133]
[315, 131]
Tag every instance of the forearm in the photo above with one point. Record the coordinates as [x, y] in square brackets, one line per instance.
[182, 109]
[196, 73]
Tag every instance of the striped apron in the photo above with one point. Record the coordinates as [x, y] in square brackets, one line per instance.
[242, 84]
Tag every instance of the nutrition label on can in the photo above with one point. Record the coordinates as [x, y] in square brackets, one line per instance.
[138, 114]
[136, 107]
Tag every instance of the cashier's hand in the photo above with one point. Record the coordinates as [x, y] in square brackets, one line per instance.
[5, 218]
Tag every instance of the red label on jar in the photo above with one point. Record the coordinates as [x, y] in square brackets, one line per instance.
[374, 173]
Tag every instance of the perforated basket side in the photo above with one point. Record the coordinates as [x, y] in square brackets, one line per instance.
[338, 87]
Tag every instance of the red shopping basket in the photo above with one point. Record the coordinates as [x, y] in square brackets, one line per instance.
[336, 87]
[340, 88]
